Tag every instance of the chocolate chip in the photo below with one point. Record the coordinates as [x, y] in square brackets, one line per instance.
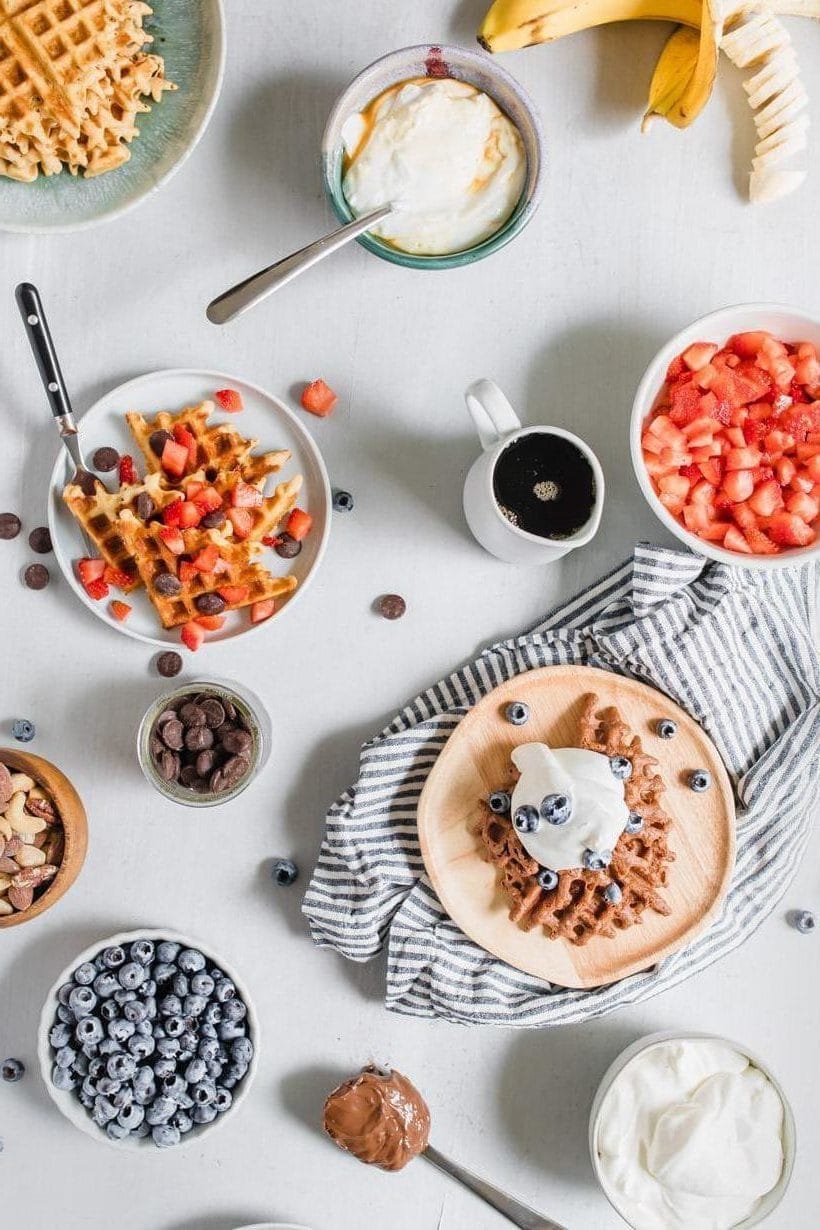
[205, 762]
[214, 713]
[288, 546]
[169, 766]
[169, 664]
[199, 738]
[40, 540]
[238, 741]
[36, 576]
[391, 606]
[216, 782]
[157, 441]
[10, 525]
[230, 709]
[105, 459]
[144, 506]
[213, 520]
[173, 734]
[212, 474]
[189, 776]
[157, 746]
[234, 770]
[192, 715]
[209, 604]
[87, 483]
[167, 585]
[167, 715]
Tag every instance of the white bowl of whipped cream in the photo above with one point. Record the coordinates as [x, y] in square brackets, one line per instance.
[450, 141]
[690, 1131]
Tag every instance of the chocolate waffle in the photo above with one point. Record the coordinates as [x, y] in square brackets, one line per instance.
[153, 557]
[99, 515]
[576, 909]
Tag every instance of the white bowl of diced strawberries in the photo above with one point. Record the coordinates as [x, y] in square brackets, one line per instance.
[725, 436]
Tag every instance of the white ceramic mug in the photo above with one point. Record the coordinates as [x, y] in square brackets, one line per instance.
[498, 426]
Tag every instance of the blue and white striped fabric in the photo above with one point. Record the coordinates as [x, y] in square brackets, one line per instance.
[734, 647]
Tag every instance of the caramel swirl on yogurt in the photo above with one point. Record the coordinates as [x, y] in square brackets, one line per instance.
[379, 1117]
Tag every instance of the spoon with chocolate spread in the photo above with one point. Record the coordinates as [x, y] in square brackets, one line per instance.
[382, 1119]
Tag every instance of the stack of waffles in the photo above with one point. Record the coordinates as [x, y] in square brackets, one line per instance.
[74, 76]
[577, 908]
[196, 525]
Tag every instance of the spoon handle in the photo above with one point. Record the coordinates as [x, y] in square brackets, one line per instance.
[258, 286]
[516, 1212]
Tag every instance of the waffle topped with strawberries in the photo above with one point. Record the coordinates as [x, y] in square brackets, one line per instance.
[193, 531]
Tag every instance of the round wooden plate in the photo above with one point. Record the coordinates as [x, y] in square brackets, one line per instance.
[476, 760]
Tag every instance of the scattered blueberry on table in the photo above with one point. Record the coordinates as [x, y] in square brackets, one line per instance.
[803, 921]
[666, 728]
[284, 871]
[517, 713]
[700, 780]
[343, 501]
[12, 1070]
[23, 730]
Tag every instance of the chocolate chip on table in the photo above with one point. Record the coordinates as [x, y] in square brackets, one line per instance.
[36, 576]
[40, 540]
[144, 506]
[105, 459]
[10, 525]
[209, 604]
[173, 734]
[167, 585]
[157, 441]
[169, 664]
[391, 606]
[288, 546]
[214, 712]
[213, 520]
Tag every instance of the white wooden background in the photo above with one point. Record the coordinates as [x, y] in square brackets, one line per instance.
[636, 236]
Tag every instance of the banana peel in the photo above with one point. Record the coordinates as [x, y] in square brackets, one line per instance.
[685, 73]
[673, 72]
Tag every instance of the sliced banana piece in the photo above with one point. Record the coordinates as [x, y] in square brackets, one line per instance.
[768, 186]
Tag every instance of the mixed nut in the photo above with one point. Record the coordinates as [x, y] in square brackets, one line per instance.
[32, 841]
[202, 741]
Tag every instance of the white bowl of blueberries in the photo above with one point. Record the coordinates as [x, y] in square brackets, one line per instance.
[147, 1039]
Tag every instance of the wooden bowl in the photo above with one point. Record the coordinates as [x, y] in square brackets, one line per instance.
[75, 827]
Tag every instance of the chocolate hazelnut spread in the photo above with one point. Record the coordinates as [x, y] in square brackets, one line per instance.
[379, 1117]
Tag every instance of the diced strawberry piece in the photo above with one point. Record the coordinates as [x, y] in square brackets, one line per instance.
[246, 496]
[120, 610]
[671, 484]
[761, 473]
[807, 370]
[702, 427]
[788, 530]
[734, 541]
[805, 350]
[241, 520]
[705, 376]
[186, 571]
[211, 623]
[174, 459]
[759, 543]
[747, 345]
[715, 531]
[673, 458]
[97, 589]
[262, 610]
[193, 634]
[205, 559]
[650, 443]
[708, 451]
[673, 503]
[695, 517]
[778, 441]
[126, 469]
[208, 500]
[712, 470]
[90, 570]
[735, 437]
[766, 498]
[804, 506]
[743, 458]
[813, 468]
[702, 492]
[230, 400]
[187, 440]
[172, 513]
[273, 540]
[675, 369]
[785, 470]
[738, 484]
[755, 430]
[189, 515]
[299, 523]
[802, 481]
[116, 577]
[319, 398]
[172, 537]
[686, 407]
[653, 464]
[192, 490]
[233, 594]
[698, 355]
[691, 472]
[744, 515]
[666, 431]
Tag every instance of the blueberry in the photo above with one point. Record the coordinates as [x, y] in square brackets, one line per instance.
[164, 1067]
[284, 872]
[109, 1047]
[143, 1130]
[105, 984]
[121, 1030]
[174, 1026]
[148, 988]
[131, 1116]
[214, 1070]
[208, 1049]
[224, 990]
[96, 1068]
[342, 501]
[517, 713]
[103, 1112]
[190, 961]
[174, 1087]
[621, 767]
[167, 951]
[180, 985]
[212, 1014]
[242, 1051]
[123, 1097]
[113, 957]
[634, 824]
[160, 1110]
[132, 976]
[234, 1010]
[23, 730]
[108, 1085]
[164, 972]
[168, 1048]
[64, 1014]
[194, 1005]
[548, 880]
[556, 808]
[196, 1071]
[123, 997]
[65, 1057]
[144, 1094]
[85, 974]
[165, 1136]
[121, 1067]
[171, 1005]
[204, 1093]
[109, 1010]
[115, 1131]
[141, 1047]
[12, 1070]
[188, 1041]
[230, 1030]
[527, 819]
[596, 860]
[86, 1099]
[80, 1065]
[142, 951]
[82, 1001]
[803, 921]
[135, 1011]
[206, 1030]
[665, 728]
[202, 984]
[62, 1079]
[182, 1121]
[204, 1114]
[223, 1099]
[60, 1035]
[64, 992]
[499, 802]
[700, 780]
[613, 893]
[150, 1007]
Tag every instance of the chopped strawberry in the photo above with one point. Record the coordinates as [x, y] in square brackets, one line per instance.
[686, 405]
[172, 537]
[193, 634]
[743, 458]
[189, 515]
[319, 398]
[807, 370]
[221, 566]
[672, 484]
[813, 468]
[205, 559]
[715, 531]
[233, 594]
[692, 473]
[192, 489]
[127, 474]
[172, 513]
[208, 500]
[698, 355]
[744, 515]
[734, 541]
[262, 610]
[120, 610]
[116, 577]
[97, 589]
[766, 498]
[211, 623]
[673, 503]
[230, 400]
[788, 530]
[186, 571]
[712, 470]
[246, 496]
[241, 520]
[298, 524]
[174, 459]
[738, 484]
[702, 493]
[675, 369]
[759, 543]
[186, 440]
[273, 540]
[785, 469]
[804, 506]
[90, 570]
[747, 345]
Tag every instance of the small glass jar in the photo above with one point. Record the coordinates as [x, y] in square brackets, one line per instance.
[251, 716]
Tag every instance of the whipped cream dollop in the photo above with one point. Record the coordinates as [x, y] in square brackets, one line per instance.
[690, 1137]
[447, 159]
[597, 808]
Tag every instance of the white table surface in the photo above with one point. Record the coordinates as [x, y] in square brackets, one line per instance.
[636, 237]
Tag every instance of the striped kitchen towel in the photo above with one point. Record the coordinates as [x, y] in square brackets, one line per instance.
[735, 647]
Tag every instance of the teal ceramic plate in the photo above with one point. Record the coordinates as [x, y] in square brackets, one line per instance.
[190, 35]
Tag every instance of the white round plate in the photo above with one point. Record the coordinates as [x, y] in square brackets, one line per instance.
[272, 1225]
[67, 1102]
[190, 36]
[264, 418]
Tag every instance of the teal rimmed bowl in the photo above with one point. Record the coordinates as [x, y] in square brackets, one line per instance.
[190, 36]
[435, 60]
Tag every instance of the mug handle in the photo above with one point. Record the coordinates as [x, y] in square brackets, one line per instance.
[492, 414]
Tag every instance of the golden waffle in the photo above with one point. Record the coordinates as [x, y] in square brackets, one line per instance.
[99, 515]
[153, 558]
[222, 452]
[73, 77]
[577, 909]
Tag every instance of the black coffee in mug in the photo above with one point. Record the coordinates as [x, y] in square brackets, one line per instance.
[545, 485]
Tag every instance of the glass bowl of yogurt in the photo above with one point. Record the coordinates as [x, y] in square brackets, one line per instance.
[689, 1131]
[450, 140]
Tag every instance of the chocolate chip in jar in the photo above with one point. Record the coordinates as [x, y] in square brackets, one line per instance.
[193, 745]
